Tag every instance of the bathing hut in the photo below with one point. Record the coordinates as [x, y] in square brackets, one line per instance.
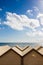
[32, 57]
[9, 56]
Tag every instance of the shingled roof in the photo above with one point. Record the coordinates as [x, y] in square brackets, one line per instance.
[4, 49]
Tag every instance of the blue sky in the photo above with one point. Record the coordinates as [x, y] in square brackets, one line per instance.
[21, 21]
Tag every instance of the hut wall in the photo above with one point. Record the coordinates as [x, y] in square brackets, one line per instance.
[10, 58]
[33, 58]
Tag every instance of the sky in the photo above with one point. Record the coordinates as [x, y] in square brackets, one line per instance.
[21, 21]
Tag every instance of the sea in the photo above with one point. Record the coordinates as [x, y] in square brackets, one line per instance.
[20, 44]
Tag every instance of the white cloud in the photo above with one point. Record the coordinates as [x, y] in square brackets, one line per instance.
[35, 34]
[0, 23]
[36, 9]
[0, 9]
[30, 12]
[18, 22]
[33, 12]
[40, 17]
[13, 21]
[34, 23]
[42, 29]
[30, 23]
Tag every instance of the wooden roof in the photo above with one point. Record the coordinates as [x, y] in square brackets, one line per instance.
[21, 48]
[17, 50]
[4, 49]
[21, 51]
[39, 49]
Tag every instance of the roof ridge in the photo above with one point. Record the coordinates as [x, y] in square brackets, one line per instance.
[21, 49]
[22, 53]
[17, 50]
[39, 48]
